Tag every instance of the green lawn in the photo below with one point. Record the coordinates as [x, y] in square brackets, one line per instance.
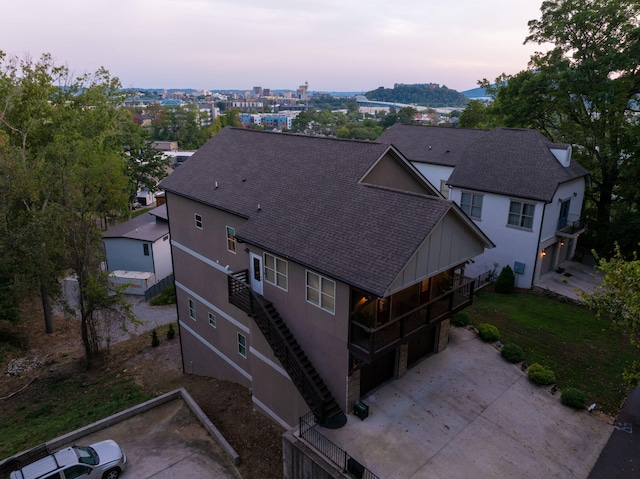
[583, 351]
[65, 404]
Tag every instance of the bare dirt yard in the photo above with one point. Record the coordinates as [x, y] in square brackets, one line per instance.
[48, 357]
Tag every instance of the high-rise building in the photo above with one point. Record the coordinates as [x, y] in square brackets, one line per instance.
[302, 90]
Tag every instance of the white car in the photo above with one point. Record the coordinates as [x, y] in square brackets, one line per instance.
[102, 460]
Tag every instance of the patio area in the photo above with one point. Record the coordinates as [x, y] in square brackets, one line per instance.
[570, 280]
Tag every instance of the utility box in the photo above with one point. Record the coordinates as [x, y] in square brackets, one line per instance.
[361, 410]
[518, 268]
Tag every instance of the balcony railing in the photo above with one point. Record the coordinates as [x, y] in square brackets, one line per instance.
[369, 343]
[571, 225]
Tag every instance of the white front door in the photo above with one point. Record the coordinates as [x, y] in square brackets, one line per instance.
[256, 273]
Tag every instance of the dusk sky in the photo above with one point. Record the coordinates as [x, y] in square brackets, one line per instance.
[335, 45]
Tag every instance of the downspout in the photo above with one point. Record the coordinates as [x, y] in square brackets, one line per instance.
[535, 265]
[173, 271]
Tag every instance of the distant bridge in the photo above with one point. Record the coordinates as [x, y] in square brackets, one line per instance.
[363, 101]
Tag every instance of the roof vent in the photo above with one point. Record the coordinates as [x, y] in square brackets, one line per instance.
[216, 185]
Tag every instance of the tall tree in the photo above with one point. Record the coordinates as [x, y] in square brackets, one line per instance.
[145, 167]
[584, 91]
[29, 95]
[475, 115]
[64, 162]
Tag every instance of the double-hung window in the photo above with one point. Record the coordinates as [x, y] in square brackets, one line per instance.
[242, 345]
[471, 204]
[321, 292]
[275, 271]
[231, 239]
[521, 214]
[192, 309]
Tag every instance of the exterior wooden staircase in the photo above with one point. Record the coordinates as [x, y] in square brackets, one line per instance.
[286, 348]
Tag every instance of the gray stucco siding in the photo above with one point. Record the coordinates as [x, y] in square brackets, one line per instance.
[128, 255]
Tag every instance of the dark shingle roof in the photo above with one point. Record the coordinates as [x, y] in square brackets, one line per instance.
[517, 162]
[507, 161]
[313, 209]
[431, 144]
[144, 227]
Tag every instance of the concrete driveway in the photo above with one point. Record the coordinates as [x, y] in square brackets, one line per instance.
[468, 413]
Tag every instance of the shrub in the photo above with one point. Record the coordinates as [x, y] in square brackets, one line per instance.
[488, 332]
[512, 353]
[154, 339]
[574, 398]
[171, 332]
[541, 375]
[461, 318]
[167, 296]
[506, 281]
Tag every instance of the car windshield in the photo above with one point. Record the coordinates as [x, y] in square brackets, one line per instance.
[86, 455]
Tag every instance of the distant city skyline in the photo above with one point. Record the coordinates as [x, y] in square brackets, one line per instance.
[231, 44]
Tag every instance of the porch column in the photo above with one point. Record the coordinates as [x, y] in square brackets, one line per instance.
[353, 389]
[443, 336]
[401, 366]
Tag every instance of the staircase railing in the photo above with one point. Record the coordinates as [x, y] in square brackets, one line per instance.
[284, 346]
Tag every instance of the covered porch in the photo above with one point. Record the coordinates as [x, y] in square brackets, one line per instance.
[379, 325]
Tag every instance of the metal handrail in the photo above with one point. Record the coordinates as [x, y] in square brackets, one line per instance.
[330, 450]
[242, 296]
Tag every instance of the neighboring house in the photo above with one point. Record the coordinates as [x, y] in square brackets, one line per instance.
[165, 145]
[523, 191]
[140, 245]
[311, 270]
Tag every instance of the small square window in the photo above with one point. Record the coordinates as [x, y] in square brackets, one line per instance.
[231, 239]
[212, 320]
[192, 309]
[198, 220]
[242, 345]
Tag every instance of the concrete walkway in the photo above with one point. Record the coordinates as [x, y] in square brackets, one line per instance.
[468, 413]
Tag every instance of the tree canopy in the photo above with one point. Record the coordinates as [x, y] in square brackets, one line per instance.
[618, 299]
[63, 170]
[583, 90]
[421, 94]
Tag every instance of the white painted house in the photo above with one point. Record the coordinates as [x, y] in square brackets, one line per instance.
[524, 192]
[140, 245]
